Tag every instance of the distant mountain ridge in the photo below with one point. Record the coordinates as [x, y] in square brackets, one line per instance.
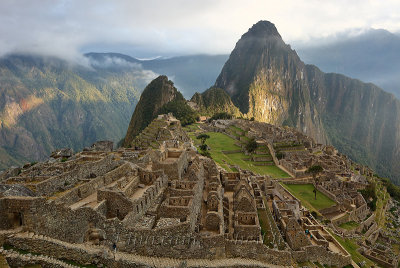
[266, 79]
[372, 56]
[189, 73]
[48, 103]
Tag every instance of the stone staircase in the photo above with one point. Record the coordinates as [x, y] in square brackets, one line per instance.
[16, 258]
[122, 258]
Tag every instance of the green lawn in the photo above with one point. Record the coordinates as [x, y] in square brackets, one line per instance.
[349, 225]
[304, 192]
[219, 142]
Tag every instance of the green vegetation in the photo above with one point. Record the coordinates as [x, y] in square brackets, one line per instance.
[203, 146]
[369, 194]
[351, 247]
[159, 92]
[268, 230]
[203, 137]
[381, 202]
[20, 251]
[315, 170]
[222, 115]
[181, 111]
[265, 227]
[237, 130]
[392, 189]
[349, 225]
[251, 145]
[215, 101]
[304, 192]
[64, 106]
[219, 142]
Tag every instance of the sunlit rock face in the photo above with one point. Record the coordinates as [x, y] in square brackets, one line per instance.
[266, 80]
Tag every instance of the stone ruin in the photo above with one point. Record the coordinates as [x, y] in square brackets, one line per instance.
[164, 206]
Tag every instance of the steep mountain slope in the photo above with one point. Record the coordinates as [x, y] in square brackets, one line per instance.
[159, 92]
[47, 103]
[266, 79]
[214, 100]
[372, 56]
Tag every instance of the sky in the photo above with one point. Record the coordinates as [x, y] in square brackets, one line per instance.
[151, 28]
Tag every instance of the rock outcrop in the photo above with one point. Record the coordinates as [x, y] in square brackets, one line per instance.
[214, 100]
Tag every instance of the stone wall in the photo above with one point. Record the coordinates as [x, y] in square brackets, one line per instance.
[257, 250]
[321, 255]
[88, 188]
[142, 204]
[174, 170]
[117, 204]
[69, 179]
[327, 193]
[17, 211]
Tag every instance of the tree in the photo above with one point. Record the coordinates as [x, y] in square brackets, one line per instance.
[251, 145]
[279, 155]
[203, 137]
[315, 170]
[223, 115]
[203, 147]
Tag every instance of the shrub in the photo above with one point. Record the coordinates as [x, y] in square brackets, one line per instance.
[280, 155]
[203, 147]
[314, 214]
[205, 153]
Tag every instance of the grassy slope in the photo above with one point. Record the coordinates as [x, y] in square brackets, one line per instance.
[349, 225]
[305, 193]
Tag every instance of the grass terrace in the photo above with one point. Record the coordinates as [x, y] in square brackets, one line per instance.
[349, 225]
[304, 192]
[219, 142]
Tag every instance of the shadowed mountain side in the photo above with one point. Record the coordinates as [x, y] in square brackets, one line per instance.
[372, 56]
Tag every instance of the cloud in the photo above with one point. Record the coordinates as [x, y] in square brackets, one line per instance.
[67, 28]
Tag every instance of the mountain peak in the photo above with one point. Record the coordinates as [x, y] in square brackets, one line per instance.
[263, 28]
[159, 92]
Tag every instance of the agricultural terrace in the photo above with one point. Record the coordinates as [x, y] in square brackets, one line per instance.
[227, 154]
